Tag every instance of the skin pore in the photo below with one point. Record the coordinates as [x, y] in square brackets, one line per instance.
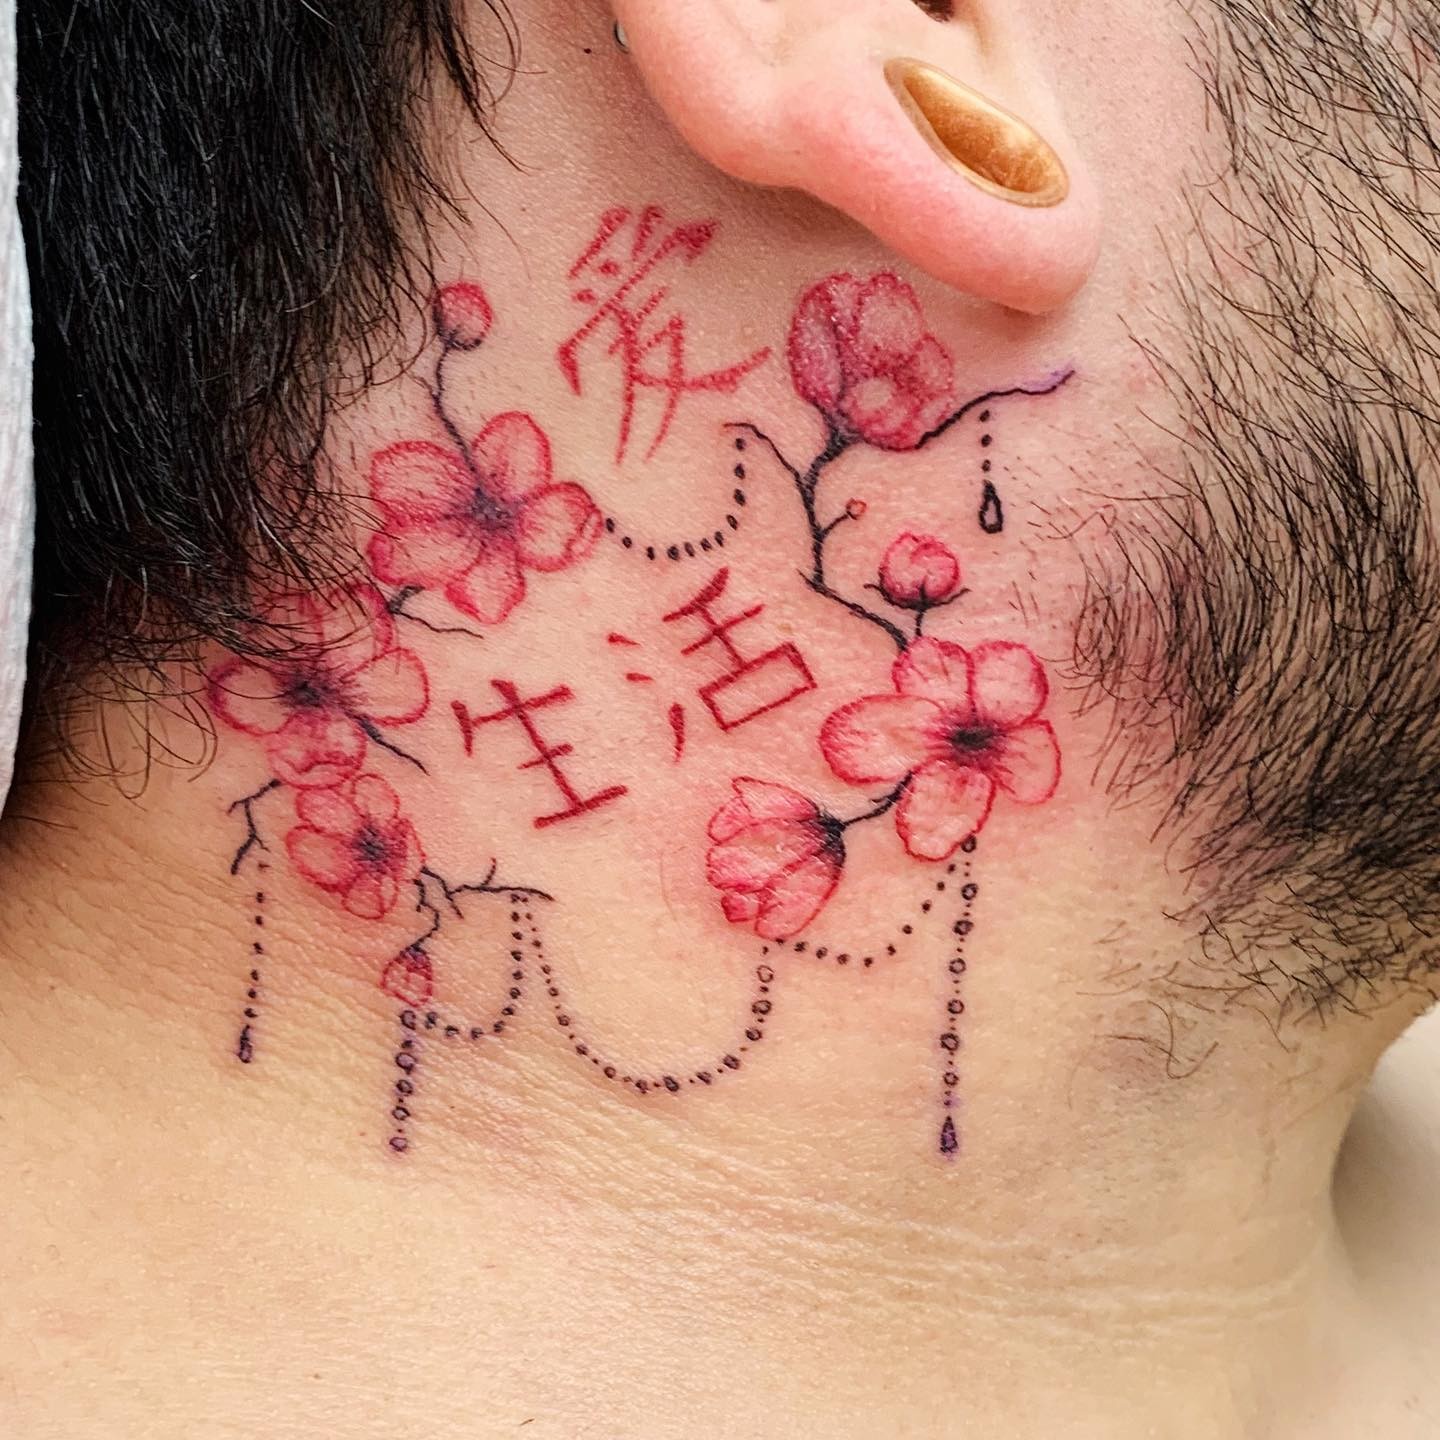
[695, 683]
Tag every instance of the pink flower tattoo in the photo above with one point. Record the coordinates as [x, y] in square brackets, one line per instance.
[919, 572]
[461, 314]
[471, 519]
[354, 842]
[776, 857]
[409, 976]
[961, 725]
[861, 355]
[342, 679]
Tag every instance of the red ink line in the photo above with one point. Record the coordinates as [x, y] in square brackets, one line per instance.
[637, 677]
[616, 638]
[610, 222]
[467, 727]
[712, 590]
[582, 806]
[677, 726]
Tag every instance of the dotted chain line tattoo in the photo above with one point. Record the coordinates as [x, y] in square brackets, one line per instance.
[655, 1079]
[992, 510]
[674, 550]
[866, 955]
[955, 1005]
[528, 947]
[414, 1023]
[245, 1045]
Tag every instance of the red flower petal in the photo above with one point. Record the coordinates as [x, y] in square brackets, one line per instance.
[918, 569]
[814, 347]
[740, 908]
[298, 618]
[751, 859]
[247, 696]
[411, 852]
[1008, 684]
[375, 801]
[512, 455]
[391, 689]
[316, 748]
[559, 524]
[409, 977]
[324, 860]
[929, 373]
[765, 800]
[880, 738]
[729, 819]
[493, 587]
[889, 325]
[416, 482]
[430, 554]
[944, 804]
[881, 413]
[795, 899]
[1028, 766]
[331, 811]
[330, 632]
[372, 896]
[935, 670]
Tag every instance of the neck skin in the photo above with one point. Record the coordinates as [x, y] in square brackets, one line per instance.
[1134, 1225]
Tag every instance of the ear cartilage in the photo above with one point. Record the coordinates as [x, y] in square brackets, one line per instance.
[992, 148]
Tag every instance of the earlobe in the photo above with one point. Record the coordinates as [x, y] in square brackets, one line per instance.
[928, 135]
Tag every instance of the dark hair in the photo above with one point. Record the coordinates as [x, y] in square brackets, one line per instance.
[216, 198]
[1270, 624]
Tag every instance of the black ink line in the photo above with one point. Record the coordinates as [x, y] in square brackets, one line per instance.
[774, 449]
[437, 400]
[373, 731]
[407, 1061]
[252, 839]
[806, 486]
[395, 605]
[882, 807]
[487, 886]
[678, 550]
[992, 512]
[416, 1020]
[1049, 388]
[922, 607]
[823, 949]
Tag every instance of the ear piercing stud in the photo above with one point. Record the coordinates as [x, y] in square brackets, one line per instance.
[992, 148]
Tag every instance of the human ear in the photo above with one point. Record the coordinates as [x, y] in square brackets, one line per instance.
[944, 140]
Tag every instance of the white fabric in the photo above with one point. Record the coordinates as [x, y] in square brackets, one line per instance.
[17, 492]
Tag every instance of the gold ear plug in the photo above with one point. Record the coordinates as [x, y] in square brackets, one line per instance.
[996, 150]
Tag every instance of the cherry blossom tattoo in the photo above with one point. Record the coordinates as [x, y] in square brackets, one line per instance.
[467, 524]
[956, 727]
[470, 517]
